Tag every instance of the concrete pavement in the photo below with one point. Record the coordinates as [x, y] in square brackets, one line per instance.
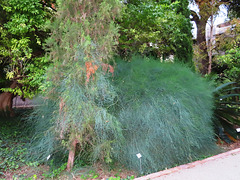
[225, 166]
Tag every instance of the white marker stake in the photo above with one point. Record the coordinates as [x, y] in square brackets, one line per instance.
[139, 157]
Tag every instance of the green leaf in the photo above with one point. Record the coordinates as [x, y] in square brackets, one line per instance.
[223, 86]
[228, 95]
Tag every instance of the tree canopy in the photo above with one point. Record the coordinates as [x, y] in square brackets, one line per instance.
[227, 58]
[158, 28]
[22, 35]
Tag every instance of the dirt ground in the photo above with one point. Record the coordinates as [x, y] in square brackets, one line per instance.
[229, 147]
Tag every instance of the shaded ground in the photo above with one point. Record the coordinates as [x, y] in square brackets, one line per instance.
[232, 146]
[14, 137]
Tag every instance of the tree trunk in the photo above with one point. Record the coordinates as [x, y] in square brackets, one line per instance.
[71, 155]
[202, 44]
[210, 42]
[6, 104]
[6, 101]
[206, 10]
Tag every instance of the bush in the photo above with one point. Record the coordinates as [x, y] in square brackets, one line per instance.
[81, 42]
[165, 110]
[83, 115]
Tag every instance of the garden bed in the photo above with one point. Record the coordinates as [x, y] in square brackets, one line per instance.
[13, 165]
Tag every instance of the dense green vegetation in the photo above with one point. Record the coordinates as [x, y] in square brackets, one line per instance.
[12, 143]
[92, 107]
[22, 35]
[227, 108]
[15, 136]
[166, 114]
[228, 66]
[156, 28]
[13, 147]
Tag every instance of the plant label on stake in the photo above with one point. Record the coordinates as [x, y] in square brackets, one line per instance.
[139, 157]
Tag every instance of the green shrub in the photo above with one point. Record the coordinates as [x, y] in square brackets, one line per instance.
[41, 126]
[81, 42]
[165, 110]
[87, 116]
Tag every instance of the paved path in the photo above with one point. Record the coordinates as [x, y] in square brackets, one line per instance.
[225, 166]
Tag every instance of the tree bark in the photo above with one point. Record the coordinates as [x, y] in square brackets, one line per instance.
[6, 104]
[210, 43]
[205, 11]
[6, 101]
[202, 44]
[71, 155]
[201, 40]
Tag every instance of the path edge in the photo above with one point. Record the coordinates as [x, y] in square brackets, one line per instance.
[187, 166]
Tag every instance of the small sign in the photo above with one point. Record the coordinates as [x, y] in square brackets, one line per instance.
[139, 155]
[238, 129]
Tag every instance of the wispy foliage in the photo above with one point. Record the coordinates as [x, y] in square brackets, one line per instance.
[82, 41]
[165, 111]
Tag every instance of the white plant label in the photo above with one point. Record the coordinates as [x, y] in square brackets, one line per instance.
[48, 157]
[238, 129]
[139, 155]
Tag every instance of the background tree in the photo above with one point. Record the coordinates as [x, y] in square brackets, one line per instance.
[158, 28]
[22, 34]
[234, 9]
[210, 40]
[227, 59]
[207, 9]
